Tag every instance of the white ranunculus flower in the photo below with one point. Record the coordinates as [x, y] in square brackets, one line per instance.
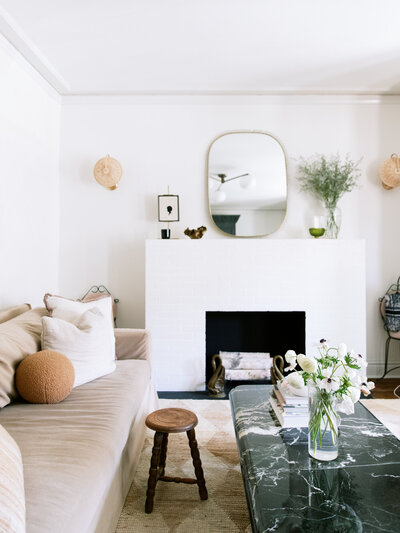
[300, 357]
[355, 394]
[341, 350]
[308, 364]
[290, 356]
[295, 380]
[346, 406]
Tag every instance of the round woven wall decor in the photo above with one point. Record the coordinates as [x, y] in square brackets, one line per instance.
[108, 172]
[390, 172]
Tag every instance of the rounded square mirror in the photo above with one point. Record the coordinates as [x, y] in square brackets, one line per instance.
[247, 183]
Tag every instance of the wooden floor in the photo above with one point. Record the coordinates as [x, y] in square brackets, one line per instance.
[384, 388]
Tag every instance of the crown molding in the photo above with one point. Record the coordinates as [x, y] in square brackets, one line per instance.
[13, 35]
[230, 98]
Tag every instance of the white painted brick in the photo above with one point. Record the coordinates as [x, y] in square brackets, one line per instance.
[185, 278]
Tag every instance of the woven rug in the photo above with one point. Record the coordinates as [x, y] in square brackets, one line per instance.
[177, 507]
[387, 411]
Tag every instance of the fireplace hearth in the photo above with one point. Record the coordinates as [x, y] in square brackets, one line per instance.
[273, 332]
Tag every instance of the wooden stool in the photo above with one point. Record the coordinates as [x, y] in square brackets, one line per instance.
[163, 422]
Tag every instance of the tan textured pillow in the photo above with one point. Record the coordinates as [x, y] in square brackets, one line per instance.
[12, 496]
[11, 312]
[19, 337]
[45, 377]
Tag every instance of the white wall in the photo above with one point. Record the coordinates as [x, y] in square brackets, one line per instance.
[29, 179]
[164, 141]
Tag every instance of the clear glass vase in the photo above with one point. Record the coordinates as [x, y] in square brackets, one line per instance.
[333, 222]
[323, 425]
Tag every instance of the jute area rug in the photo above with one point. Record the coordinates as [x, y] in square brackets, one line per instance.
[177, 507]
[387, 411]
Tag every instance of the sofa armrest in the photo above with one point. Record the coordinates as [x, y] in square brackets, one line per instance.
[132, 343]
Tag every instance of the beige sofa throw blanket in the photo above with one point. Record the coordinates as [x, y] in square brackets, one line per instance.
[19, 337]
[12, 497]
[11, 312]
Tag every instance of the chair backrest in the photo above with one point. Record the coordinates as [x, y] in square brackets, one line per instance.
[390, 312]
[99, 291]
[382, 309]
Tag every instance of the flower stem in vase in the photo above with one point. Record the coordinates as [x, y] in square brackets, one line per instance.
[323, 425]
[333, 222]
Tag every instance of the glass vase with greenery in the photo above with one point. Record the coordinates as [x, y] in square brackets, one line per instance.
[328, 179]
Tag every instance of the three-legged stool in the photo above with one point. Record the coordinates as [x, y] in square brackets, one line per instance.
[163, 422]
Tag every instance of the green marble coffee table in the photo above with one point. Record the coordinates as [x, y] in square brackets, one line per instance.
[289, 491]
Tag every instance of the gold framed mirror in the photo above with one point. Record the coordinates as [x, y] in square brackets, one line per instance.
[247, 183]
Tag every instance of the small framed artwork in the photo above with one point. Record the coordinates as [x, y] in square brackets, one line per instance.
[168, 208]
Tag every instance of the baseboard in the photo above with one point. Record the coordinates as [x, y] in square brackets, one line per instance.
[375, 370]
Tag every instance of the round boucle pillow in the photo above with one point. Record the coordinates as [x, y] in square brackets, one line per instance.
[45, 377]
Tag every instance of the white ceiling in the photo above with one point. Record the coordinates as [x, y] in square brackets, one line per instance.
[209, 46]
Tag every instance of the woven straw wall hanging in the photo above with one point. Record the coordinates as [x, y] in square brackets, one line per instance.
[390, 172]
[108, 172]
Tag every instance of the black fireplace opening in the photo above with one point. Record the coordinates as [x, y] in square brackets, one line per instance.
[274, 332]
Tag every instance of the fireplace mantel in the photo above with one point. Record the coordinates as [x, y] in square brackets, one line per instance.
[186, 278]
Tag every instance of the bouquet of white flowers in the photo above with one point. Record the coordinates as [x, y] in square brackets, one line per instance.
[336, 377]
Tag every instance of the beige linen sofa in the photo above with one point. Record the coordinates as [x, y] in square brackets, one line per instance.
[79, 456]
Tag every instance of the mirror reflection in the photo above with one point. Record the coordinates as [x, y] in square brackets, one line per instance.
[247, 186]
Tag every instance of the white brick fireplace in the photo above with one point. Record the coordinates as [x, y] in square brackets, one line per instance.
[186, 278]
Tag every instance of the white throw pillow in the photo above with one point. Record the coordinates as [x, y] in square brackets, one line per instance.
[89, 345]
[72, 310]
[12, 495]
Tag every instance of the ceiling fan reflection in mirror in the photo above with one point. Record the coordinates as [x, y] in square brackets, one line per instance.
[246, 182]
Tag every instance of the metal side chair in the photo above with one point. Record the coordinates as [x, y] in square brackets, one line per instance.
[394, 289]
[97, 291]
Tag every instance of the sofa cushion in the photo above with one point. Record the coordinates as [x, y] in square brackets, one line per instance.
[73, 449]
[45, 377]
[11, 312]
[89, 345]
[12, 497]
[19, 337]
